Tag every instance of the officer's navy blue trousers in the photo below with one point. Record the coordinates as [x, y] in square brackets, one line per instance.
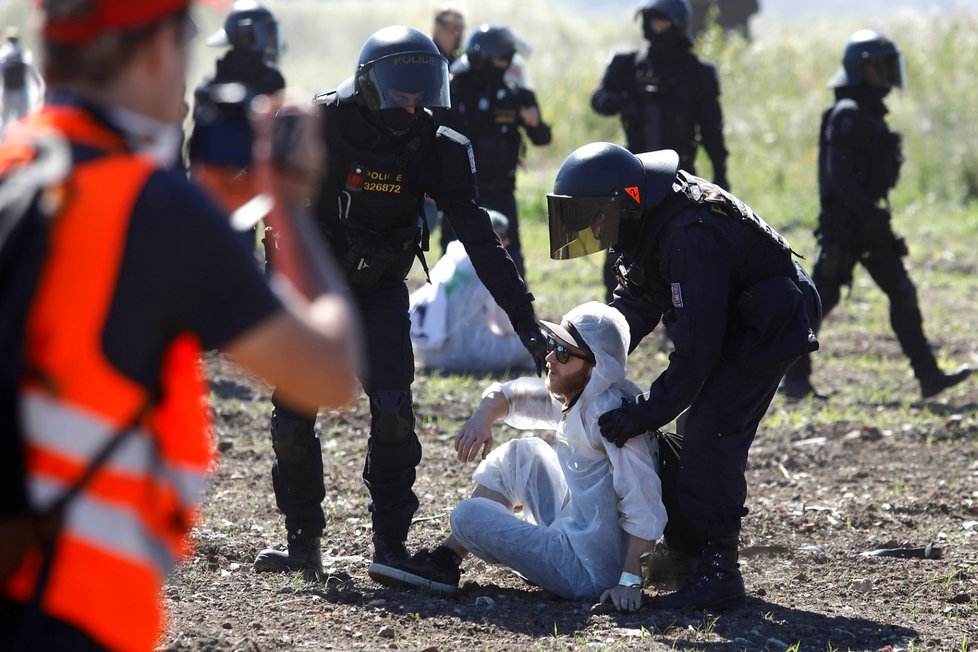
[708, 500]
[389, 469]
[886, 268]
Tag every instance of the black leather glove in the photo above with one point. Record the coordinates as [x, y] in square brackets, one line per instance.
[621, 424]
[534, 340]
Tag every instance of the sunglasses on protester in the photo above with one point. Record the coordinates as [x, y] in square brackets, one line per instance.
[563, 353]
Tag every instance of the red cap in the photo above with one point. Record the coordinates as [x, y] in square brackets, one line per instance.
[76, 22]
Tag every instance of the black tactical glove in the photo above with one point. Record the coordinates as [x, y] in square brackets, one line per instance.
[534, 340]
[621, 424]
[900, 246]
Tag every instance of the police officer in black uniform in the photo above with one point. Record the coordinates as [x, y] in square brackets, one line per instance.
[252, 33]
[493, 111]
[858, 164]
[386, 153]
[738, 310]
[667, 97]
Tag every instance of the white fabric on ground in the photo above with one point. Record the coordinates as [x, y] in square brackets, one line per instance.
[583, 497]
[456, 325]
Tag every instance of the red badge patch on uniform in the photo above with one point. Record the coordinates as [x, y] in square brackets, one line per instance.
[634, 194]
[677, 295]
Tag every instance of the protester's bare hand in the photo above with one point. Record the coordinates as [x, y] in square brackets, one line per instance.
[530, 115]
[625, 598]
[476, 434]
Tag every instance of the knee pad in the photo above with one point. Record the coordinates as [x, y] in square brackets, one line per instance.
[833, 264]
[904, 297]
[391, 415]
[293, 437]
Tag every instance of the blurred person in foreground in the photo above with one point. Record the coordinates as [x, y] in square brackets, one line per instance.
[858, 164]
[387, 154]
[22, 85]
[141, 274]
[494, 112]
[455, 323]
[591, 509]
[448, 32]
[738, 311]
[666, 97]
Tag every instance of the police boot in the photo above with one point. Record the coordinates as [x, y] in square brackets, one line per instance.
[670, 567]
[390, 561]
[718, 583]
[303, 556]
[936, 382]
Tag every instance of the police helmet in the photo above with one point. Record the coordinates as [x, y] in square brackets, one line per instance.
[678, 11]
[600, 194]
[872, 59]
[398, 67]
[490, 42]
[250, 27]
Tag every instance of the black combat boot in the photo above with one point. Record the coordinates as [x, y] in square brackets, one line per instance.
[303, 556]
[936, 382]
[800, 388]
[670, 567]
[718, 584]
[390, 556]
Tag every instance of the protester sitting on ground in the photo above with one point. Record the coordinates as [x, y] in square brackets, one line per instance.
[591, 509]
[455, 323]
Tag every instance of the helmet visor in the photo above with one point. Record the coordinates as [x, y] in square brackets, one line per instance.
[582, 225]
[269, 40]
[885, 70]
[405, 80]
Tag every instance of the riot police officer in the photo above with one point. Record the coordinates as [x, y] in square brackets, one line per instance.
[493, 111]
[386, 153]
[252, 33]
[220, 141]
[738, 310]
[858, 164]
[667, 97]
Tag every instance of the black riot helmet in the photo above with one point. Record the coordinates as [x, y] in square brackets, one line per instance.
[490, 42]
[250, 27]
[680, 12]
[399, 67]
[872, 59]
[600, 195]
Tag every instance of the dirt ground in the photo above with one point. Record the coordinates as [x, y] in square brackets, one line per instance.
[819, 497]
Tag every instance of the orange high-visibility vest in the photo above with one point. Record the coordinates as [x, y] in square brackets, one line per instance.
[129, 525]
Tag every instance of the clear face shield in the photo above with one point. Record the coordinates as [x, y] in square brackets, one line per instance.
[270, 40]
[886, 70]
[406, 80]
[585, 225]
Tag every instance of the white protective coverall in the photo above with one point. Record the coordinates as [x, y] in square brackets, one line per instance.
[457, 326]
[580, 498]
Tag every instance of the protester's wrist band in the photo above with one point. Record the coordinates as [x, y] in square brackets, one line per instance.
[630, 580]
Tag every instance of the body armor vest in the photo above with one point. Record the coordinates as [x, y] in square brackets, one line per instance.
[632, 270]
[881, 163]
[700, 192]
[491, 112]
[370, 206]
[667, 98]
